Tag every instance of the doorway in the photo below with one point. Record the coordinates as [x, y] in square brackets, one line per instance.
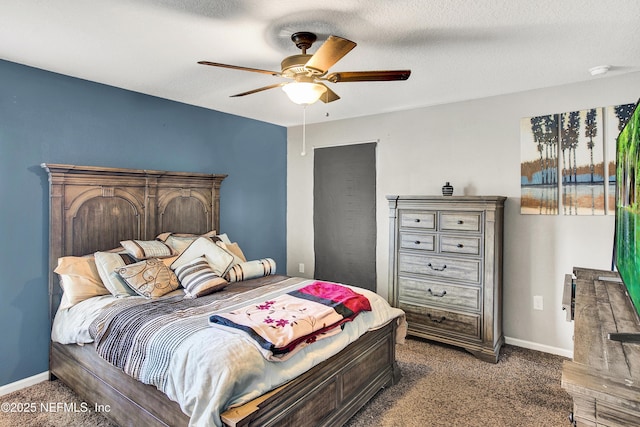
[344, 214]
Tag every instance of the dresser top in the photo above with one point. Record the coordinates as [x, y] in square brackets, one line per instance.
[425, 197]
[498, 200]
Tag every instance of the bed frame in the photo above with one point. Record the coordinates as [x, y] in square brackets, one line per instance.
[94, 208]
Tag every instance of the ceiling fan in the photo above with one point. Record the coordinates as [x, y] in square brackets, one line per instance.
[310, 71]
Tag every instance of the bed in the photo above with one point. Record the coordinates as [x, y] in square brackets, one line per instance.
[94, 209]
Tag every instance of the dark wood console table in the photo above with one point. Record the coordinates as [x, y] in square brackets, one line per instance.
[604, 376]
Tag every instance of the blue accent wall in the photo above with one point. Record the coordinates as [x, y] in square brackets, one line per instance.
[51, 118]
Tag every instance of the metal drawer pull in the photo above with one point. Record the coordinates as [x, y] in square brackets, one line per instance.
[440, 295]
[460, 245]
[460, 221]
[417, 242]
[417, 219]
[436, 319]
[435, 268]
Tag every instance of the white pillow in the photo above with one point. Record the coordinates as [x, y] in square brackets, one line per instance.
[181, 241]
[251, 270]
[219, 259]
[107, 263]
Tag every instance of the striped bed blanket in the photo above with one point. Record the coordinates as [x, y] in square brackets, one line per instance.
[141, 336]
[282, 326]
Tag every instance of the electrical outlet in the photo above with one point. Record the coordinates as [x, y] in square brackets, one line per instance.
[538, 302]
[301, 268]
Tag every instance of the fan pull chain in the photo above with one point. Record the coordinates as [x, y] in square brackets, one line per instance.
[304, 131]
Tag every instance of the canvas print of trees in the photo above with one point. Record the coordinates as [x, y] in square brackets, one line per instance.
[568, 161]
[539, 165]
[582, 158]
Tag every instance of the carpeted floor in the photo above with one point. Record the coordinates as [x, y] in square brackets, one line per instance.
[441, 386]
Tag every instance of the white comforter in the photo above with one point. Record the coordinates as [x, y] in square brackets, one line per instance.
[213, 370]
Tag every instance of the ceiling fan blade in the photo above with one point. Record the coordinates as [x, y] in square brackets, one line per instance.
[236, 67]
[329, 53]
[329, 95]
[259, 90]
[368, 76]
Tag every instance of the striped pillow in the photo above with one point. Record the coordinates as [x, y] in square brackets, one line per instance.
[145, 249]
[198, 278]
[251, 270]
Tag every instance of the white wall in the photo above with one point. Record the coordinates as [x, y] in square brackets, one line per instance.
[476, 146]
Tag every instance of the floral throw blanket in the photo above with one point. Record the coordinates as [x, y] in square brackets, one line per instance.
[281, 326]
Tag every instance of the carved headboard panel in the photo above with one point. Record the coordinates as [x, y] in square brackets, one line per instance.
[94, 208]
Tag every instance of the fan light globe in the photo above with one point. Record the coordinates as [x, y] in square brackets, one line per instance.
[304, 93]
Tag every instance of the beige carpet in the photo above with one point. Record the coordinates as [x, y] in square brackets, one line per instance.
[441, 386]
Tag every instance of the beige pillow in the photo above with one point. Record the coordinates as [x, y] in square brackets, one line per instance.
[233, 249]
[79, 279]
[150, 278]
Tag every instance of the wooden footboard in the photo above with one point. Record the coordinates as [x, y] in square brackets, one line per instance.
[327, 395]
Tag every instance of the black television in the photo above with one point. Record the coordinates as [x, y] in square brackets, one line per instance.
[627, 213]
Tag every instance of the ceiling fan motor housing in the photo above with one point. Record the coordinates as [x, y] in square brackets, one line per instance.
[293, 65]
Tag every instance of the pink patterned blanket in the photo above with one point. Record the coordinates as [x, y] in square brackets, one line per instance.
[283, 325]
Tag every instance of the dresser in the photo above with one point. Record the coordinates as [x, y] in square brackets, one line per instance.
[604, 376]
[445, 269]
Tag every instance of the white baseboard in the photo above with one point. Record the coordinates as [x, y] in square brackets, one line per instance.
[539, 347]
[24, 383]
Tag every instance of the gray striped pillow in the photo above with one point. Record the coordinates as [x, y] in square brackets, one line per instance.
[198, 278]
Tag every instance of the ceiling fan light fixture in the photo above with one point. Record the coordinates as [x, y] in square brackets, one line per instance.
[304, 93]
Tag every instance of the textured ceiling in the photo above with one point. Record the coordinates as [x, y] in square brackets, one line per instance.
[456, 49]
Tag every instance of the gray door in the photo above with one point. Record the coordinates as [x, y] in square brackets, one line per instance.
[344, 214]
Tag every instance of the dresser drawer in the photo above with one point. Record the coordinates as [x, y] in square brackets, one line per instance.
[445, 295]
[468, 270]
[460, 245]
[418, 219]
[425, 242]
[420, 318]
[460, 221]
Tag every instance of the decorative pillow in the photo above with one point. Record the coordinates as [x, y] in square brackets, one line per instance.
[79, 279]
[181, 241]
[107, 263]
[219, 259]
[145, 249]
[198, 278]
[251, 270]
[234, 250]
[150, 278]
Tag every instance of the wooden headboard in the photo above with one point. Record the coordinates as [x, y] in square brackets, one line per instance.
[94, 208]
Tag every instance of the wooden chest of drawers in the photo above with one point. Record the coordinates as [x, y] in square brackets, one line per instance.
[445, 269]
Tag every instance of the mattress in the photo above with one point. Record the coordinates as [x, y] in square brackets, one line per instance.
[211, 369]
